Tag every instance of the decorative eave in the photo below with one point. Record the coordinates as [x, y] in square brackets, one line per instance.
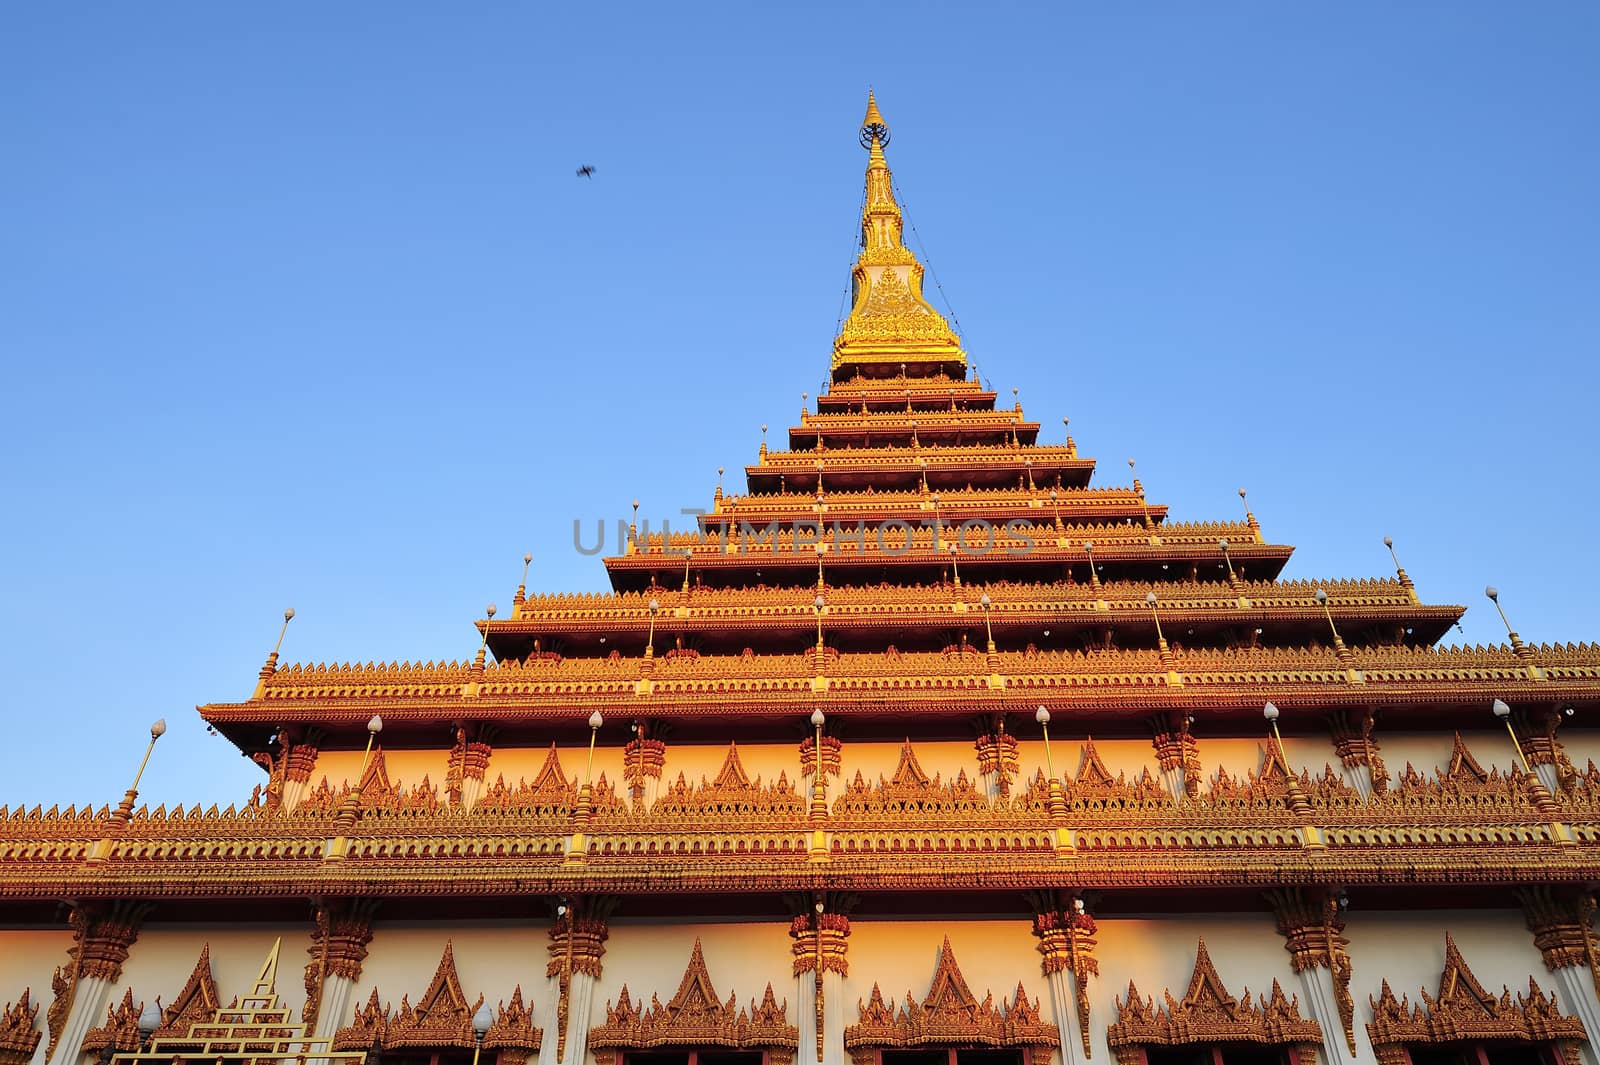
[909, 832]
[1075, 506]
[1420, 684]
[732, 616]
[1017, 545]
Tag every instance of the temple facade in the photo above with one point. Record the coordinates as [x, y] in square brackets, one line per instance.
[922, 749]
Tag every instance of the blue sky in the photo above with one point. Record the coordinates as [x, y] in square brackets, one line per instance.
[304, 305]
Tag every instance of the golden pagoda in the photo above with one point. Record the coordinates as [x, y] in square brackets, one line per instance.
[922, 713]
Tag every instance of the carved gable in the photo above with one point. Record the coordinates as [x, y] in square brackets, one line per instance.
[19, 1032]
[950, 1015]
[1464, 769]
[732, 776]
[1465, 1010]
[442, 1017]
[196, 1003]
[695, 1016]
[513, 1032]
[1208, 1013]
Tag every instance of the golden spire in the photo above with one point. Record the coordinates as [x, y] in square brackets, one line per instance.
[890, 324]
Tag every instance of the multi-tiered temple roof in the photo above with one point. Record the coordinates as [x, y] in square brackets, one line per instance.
[918, 548]
[918, 560]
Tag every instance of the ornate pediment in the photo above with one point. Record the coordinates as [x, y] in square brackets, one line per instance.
[513, 1032]
[950, 1014]
[695, 1016]
[909, 774]
[732, 776]
[121, 1030]
[1464, 768]
[19, 1032]
[197, 1003]
[366, 1032]
[442, 1017]
[1208, 1013]
[1465, 1010]
[1092, 772]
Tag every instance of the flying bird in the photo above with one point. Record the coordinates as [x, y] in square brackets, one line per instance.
[586, 171]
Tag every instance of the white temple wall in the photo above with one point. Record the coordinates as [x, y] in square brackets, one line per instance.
[1582, 744]
[741, 958]
[28, 957]
[492, 958]
[164, 955]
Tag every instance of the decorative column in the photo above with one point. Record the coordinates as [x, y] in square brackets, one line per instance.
[1177, 754]
[643, 760]
[298, 761]
[820, 936]
[102, 934]
[577, 944]
[1066, 949]
[1536, 732]
[1313, 934]
[340, 933]
[998, 761]
[1358, 751]
[1562, 923]
[469, 761]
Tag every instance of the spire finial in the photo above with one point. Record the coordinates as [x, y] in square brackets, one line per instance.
[890, 322]
[873, 127]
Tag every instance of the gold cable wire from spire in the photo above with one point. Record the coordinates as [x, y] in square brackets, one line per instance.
[857, 242]
[927, 260]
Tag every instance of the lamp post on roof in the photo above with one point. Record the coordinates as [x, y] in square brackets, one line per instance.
[1399, 570]
[1339, 648]
[595, 721]
[818, 604]
[1502, 710]
[1517, 646]
[988, 630]
[955, 565]
[1311, 835]
[1094, 573]
[650, 640]
[374, 726]
[1540, 794]
[1227, 560]
[149, 1021]
[481, 1022]
[483, 644]
[819, 792]
[1055, 801]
